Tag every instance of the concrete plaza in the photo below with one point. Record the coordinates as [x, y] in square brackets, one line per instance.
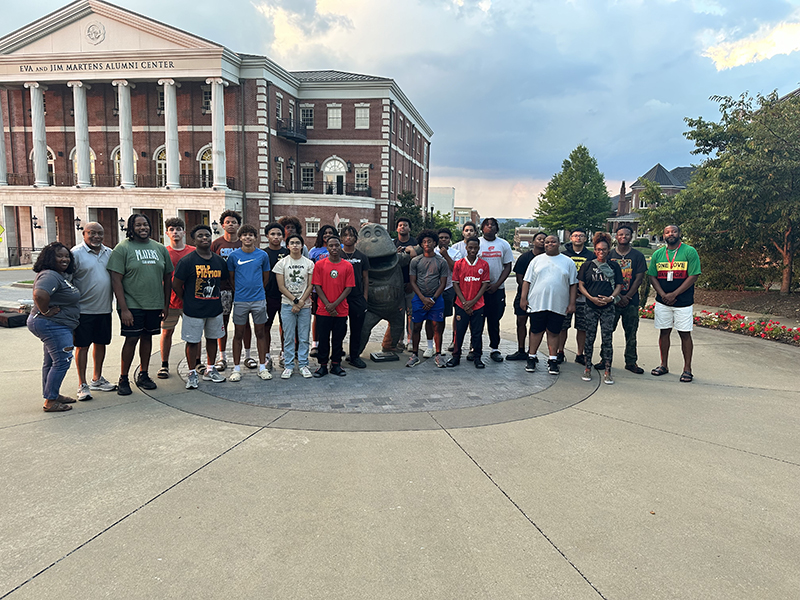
[649, 488]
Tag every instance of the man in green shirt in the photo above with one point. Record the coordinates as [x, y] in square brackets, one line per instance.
[140, 271]
[673, 270]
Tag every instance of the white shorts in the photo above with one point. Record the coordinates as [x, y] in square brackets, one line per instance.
[193, 328]
[677, 317]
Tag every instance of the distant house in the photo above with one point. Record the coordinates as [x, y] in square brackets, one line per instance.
[628, 204]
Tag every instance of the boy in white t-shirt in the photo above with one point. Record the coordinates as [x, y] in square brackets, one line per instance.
[293, 274]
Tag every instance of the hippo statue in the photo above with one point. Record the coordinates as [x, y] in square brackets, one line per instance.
[386, 297]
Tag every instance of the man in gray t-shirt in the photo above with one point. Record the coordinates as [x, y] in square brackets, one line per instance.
[94, 283]
[428, 277]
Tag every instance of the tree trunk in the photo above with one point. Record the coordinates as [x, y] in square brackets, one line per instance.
[786, 250]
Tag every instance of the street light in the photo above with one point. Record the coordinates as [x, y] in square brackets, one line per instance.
[78, 224]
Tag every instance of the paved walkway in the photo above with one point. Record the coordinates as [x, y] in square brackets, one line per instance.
[646, 489]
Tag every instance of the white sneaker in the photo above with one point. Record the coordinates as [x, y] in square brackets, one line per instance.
[213, 375]
[286, 373]
[305, 372]
[191, 381]
[265, 374]
[84, 393]
[235, 376]
[102, 384]
[428, 353]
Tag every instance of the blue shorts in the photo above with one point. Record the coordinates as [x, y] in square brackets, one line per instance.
[419, 314]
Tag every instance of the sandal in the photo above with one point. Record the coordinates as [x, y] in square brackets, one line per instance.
[57, 407]
[250, 363]
[659, 370]
[686, 377]
[163, 373]
[65, 399]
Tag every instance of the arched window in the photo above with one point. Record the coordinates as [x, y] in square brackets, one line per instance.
[73, 156]
[115, 158]
[205, 158]
[51, 164]
[334, 171]
[160, 156]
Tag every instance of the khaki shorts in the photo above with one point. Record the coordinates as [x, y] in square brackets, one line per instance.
[171, 322]
[193, 329]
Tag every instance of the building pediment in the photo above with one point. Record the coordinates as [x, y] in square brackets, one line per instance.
[91, 39]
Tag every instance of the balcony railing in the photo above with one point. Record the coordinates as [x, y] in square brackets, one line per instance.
[327, 188]
[106, 181]
[292, 129]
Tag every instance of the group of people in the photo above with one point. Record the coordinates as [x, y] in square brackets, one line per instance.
[601, 288]
[317, 293]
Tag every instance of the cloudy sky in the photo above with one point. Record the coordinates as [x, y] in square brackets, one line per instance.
[510, 87]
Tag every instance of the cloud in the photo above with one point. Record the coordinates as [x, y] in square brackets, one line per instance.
[766, 43]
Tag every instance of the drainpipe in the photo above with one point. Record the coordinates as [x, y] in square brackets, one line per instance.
[269, 154]
[242, 168]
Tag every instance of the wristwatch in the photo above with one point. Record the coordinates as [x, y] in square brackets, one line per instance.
[296, 301]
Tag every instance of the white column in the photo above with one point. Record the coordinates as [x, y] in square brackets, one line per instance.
[39, 135]
[3, 166]
[125, 133]
[81, 133]
[218, 130]
[171, 132]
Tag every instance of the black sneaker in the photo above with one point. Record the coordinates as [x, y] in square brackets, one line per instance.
[531, 362]
[601, 366]
[124, 387]
[518, 355]
[143, 381]
[552, 367]
[479, 363]
[560, 357]
[496, 356]
[357, 362]
[321, 371]
[470, 355]
[454, 361]
[634, 368]
[580, 359]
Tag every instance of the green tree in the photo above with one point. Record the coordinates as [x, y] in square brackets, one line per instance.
[576, 196]
[437, 220]
[408, 208]
[745, 196]
[507, 230]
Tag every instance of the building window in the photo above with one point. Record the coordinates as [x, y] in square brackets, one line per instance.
[161, 167]
[408, 130]
[362, 117]
[334, 117]
[160, 106]
[342, 224]
[279, 108]
[391, 122]
[206, 167]
[400, 129]
[206, 96]
[307, 116]
[115, 158]
[291, 114]
[73, 156]
[362, 179]
[334, 171]
[312, 227]
[307, 178]
[279, 172]
[391, 181]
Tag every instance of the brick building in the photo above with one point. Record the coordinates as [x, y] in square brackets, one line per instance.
[105, 112]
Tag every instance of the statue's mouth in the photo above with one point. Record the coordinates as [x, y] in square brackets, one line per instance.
[382, 263]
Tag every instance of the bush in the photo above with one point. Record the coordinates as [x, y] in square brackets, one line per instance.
[641, 242]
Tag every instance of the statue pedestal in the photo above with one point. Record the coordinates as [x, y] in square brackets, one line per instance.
[383, 357]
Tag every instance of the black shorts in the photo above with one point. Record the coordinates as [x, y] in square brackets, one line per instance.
[273, 308]
[93, 329]
[546, 319]
[517, 310]
[145, 322]
[449, 296]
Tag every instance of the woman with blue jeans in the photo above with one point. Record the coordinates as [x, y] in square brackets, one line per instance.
[293, 274]
[54, 317]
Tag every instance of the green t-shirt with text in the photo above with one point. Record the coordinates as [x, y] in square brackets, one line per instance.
[142, 267]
